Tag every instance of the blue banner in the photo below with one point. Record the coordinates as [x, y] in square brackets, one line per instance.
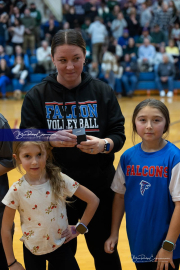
[26, 135]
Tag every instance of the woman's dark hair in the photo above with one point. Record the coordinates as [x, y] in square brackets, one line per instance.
[154, 103]
[111, 48]
[19, 21]
[69, 37]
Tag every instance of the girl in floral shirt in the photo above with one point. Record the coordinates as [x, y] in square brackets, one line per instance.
[40, 197]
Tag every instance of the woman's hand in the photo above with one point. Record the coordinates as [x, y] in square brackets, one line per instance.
[110, 244]
[22, 81]
[16, 266]
[163, 258]
[69, 233]
[63, 138]
[92, 146]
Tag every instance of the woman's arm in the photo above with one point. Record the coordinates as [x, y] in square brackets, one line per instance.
[6, 234]
[92, 204]
[117, 215]
[165, 257]
[4, 170]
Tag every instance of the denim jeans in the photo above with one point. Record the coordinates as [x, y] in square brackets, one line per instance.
[4, 81]
[17, 85]
[129, 82]
[160, 84]
[118, 86]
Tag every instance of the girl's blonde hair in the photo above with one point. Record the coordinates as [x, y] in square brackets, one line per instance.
[53, 172]
[153, 103]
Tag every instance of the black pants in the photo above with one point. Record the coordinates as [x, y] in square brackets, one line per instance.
[153, 265]
[3, 262]
[61, 258]
[99, 231]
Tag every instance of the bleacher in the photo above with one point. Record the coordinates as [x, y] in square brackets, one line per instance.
[146, 82]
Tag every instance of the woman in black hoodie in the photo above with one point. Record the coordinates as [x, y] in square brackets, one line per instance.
[72, 99]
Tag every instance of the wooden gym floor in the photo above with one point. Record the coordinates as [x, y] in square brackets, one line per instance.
[12, 111]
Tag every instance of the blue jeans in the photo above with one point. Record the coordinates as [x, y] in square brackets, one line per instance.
[170, 83]
[4, 81]
[129, 82]
[17, 85]
[114, 83]
[118, 86]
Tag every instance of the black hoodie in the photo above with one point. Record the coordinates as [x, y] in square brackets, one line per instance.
[99, 113]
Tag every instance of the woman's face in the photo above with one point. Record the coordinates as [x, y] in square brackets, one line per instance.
[3, 63]
[1, 49]
[18, 49]
[171, 43]
[69, 60]
[16, 22]
[15, 10]
[131, 42]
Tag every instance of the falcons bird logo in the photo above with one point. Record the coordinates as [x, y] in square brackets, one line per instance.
[144, 185]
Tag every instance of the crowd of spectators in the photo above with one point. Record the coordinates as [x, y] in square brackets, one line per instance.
[123, 37]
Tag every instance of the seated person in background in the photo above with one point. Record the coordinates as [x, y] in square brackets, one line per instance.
[118, 25]
[86, 24]
[145, 34]
[111, 71]
[130, 74]
[21, 4]
[123, 40]
[146, 54]
[71, 16]
[84, 34]
[165, 74]
[118, 48]
[172, 49]
[175, 33]
[159, 57]
[158, 37]
[20, 74]
[66, 25]
[93, 69]
[4, 56]
[133, 23]
[17, 33]
[131, 48]
[5, 75]
[43, 55]
[29, 35]
[15, 14]
[145, 15]
[50, 30]
[19, 52]
[3, 28]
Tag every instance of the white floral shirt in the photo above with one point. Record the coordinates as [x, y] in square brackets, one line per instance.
[42, 218]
